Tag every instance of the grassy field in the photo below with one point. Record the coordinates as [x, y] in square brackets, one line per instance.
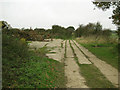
[105, 51]
[94, 78]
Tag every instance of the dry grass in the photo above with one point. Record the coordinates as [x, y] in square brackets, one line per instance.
[93, 39]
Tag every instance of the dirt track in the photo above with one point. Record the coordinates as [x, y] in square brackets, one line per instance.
[74, 78]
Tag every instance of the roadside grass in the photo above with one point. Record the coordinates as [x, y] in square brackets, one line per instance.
[43, 73]
[94, 78]
[105, 51]
[39, 72]
[49, 73]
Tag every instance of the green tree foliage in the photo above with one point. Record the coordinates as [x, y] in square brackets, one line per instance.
[79, 31]
[39, 30]
[70, 30]
[116, 12]
[106, 33]
[93, 29]
[89, 29]
[61, 32]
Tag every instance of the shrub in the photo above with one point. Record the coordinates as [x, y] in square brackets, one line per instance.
[14, 54]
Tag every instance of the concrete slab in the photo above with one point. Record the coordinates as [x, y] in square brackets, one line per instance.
[37, 44]
[74, 79]
[69, 52]
[81, 57]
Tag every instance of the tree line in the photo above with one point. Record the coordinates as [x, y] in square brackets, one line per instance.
[39, 34]
[93, 29]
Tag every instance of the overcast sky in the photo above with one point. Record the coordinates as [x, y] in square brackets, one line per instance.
[45, 13]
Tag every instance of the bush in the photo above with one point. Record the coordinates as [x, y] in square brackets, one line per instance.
[14, 54]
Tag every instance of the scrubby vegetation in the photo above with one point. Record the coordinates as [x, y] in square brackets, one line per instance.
[95, 32]
[14, 55]
[61, 32]
[23, 68]
[30, 69]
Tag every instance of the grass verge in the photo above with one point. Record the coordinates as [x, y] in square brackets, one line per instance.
[41, 73]
[37, 72]
[94, 78]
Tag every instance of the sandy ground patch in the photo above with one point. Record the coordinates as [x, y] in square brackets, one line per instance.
[55, 42]
[57, 49]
